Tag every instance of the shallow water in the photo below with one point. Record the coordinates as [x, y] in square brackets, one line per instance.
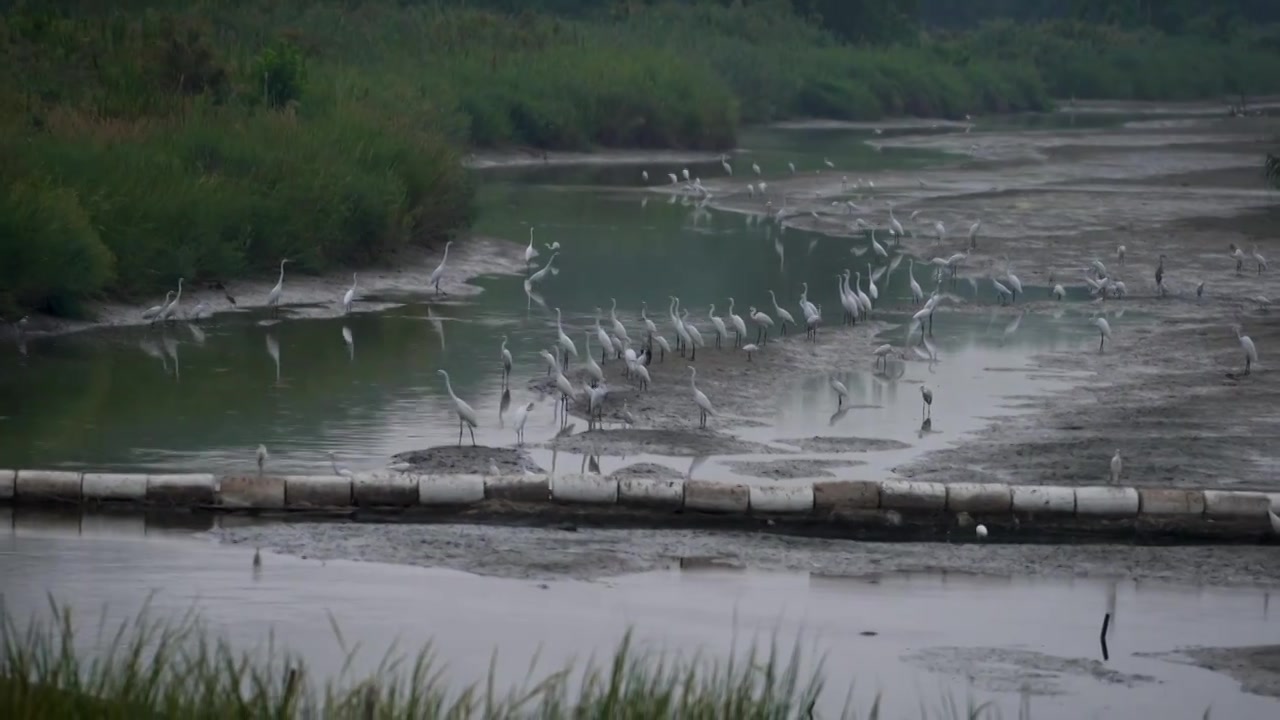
[365, 386]
[913, 638]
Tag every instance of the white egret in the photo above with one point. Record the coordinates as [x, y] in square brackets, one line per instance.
[663, 346]
[973, 235]
[683, 339]
[894, 225]
[339, 470]
[1120, 255]
[811, 322]
[350, 296]
[1015, 285]
[262, 457]
[530, 252]
[806, 308]
[848, 300]
[552, 362]
[685, 173]
[538, 276]
[792, 167]
[674, 179]
[1104, 330]
[917, 294]
[783, 316]
[169, 309]
[1257, 258]
[627, 418]
[739, 327]
[695, 337]
[603, 337]
[438, 274]
[1116, 466]
[643, 372]
[926, 395]
[566, 393]
[1059, 292]
[842, 392]
[700, 398]
[863, 300]
[1250, 351]
[750, 348]
[506, 361]
[724, 163]
[763, 323]
[981, 530]
[882, 354]
[618, 329]
[1001, 290]
[595, 404]
[828, 163]
[941, 230]
[273, 297]
[872, 291]
[153, 313]
[876, 246]
[649, 327]
[718, 324]
[564, 341]
[751, 190]
[466, 416]
[593, 369]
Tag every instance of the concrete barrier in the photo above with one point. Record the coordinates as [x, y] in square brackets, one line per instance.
[40, 485]
[716, 497]
[303, 491]
[385, 489]
[1048, 499]
[988, 498]
[451, 490]
[263, 492]
[651, 493]
[113, 486]
[1166, 501]
[1104, 501]
[1228, 504]
[192, 489]
[780, 499]
[585, 489]
[517, 488]
[6, 484]
[1275, 502]
[913, 495]
[836, 495]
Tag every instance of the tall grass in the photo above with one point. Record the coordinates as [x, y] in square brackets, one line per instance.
[147, 668]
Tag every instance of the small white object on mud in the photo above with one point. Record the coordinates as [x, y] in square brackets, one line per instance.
[982, 531]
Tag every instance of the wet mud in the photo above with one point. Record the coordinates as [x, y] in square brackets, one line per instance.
[672, 443]
[591, 553]
[451, 459]
[1012, 670]
[791, 469]
[1256, 668]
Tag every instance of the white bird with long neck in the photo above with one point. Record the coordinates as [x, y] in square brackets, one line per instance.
[603, 337]
[649, 327]
[973, 236]
[783, 316]
[682, 335]
[350, 296]
[1001, 290]
[1257, 258]
[721, 331]
[553, 365]
[763, 323]
[1116, 466]
[872, 291]
[663, 346]
[566, 394]
[941, 229]
[1250, 350]
[172, 307]
[700, 398]
[593, 368]
[595, 404]
[1059, 292]
[153, 313]
[739, 327]
[674, 180]
[755, 168]
[894, 225]
[882, 354]
[506, 361]
[806, 308]
[618, 329]
[848, 300]
[538, 276]
[926, 397]
[438, 274]
[1104, 330]
[262, 457]
[917, 294]
[842, 392]
[724, 163]
[518, 420]
[877, 247]
[273, 297]
[695, 337]
[466, 415]
[530, 252]
[339, 470]
[863, 300]
[564, 341]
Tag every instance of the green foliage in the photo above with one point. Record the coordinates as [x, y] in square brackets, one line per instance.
[282, 71]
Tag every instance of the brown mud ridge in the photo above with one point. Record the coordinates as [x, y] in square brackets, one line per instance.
[1168, 391]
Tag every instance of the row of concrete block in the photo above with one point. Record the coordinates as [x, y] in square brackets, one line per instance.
[383, 489]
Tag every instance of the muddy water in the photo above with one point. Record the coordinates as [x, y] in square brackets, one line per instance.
[914, 638]
[202, 396]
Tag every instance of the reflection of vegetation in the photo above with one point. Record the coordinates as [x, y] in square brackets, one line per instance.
[174, 670]
[1273, 170]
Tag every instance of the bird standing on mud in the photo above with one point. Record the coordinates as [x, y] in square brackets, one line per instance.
[1116, 466]
[926, 395]
[262, 457]
[1250, 351]
[1104, 329]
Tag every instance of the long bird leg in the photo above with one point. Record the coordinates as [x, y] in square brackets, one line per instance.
[784, 326]
[473, 435]
[459, 432]
[693, 352]
[1102, 340]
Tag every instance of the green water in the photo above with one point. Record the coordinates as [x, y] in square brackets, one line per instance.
[203, 399]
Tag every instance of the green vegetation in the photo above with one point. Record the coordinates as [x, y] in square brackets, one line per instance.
[151, 139]
[174, 670]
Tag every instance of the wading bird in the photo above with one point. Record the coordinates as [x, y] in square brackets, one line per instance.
[273, 297]
[1250, 351]
[1257, 258]
[466, 416]
[262, 457]
[506, 362]
[518, 420]
[338, 470]
[718, 324]
[739, 327]
[172, 307]
[1116, 466]
[783, 316]
[564, 341]
[926, 395]
[350, 296]
[763, 323]
[1104, 330]
[700, 398]
[593, 369]
[842, 392]
[530, 252]
[153, 313]
[750, 348]
[438, 274]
